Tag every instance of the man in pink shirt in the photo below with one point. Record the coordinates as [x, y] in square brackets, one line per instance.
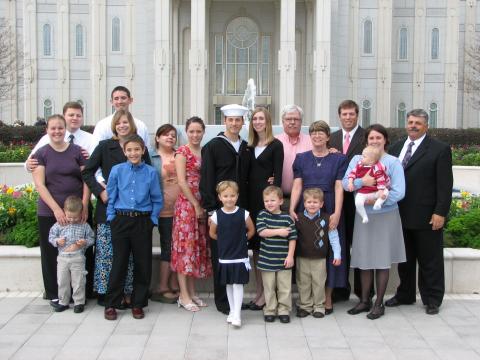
[294, 142]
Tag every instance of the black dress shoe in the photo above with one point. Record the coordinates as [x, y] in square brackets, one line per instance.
[269, 318]
[328, 311]
[61, 308]
[432, 309]
[360, 307]
[301, 313]
[256, 307]
[284, 319]
[377, 312]
[246, 306]
[393, 302]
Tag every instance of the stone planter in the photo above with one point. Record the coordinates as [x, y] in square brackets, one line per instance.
[21, 271]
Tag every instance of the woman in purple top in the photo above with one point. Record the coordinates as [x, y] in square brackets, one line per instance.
[319, 168]
[57, 176]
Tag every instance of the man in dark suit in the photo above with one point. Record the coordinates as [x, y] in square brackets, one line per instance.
[350, 140]
[429, 180]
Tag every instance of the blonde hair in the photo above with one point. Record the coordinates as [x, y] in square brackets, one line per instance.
[116, 118]
[273, 190]
[315, 193]
[373, 151]
[253, 135]
[227, 184]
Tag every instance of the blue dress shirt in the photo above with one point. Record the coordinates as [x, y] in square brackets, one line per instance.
[134, 188]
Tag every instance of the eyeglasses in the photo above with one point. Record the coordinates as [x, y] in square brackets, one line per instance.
[292, 119]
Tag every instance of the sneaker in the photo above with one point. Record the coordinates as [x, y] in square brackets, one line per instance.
[77, 309]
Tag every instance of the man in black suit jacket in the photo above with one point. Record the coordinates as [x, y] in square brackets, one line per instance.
[348, 114]
[429, 181]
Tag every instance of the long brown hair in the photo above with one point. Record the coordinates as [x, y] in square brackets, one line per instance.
[253, 135]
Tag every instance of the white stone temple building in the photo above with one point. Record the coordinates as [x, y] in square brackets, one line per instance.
[190, 57]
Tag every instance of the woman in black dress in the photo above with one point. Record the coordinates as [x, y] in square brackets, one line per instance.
[265, 169]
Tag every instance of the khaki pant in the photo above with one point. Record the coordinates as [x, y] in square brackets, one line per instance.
[71, 274]
[311, 275]
[277, 287]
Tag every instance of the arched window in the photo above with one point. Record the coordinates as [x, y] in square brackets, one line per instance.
[367, 37]
[47, 40]
[115, 34]
[242, 54]
[366, 112]
[401, 115]
[47, 108]
[434, 53]
[433, 116]
[79, 40]
[403, 44]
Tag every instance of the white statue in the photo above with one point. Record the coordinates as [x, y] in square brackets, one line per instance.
[249, 100]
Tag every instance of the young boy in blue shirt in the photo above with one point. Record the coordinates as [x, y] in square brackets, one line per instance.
[134, 203]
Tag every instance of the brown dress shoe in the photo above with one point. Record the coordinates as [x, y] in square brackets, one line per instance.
[110, 314]
[138, 313]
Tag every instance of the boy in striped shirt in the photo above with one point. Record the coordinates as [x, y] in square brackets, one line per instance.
[277, 248]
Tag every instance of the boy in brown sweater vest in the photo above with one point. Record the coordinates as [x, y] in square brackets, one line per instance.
[313, 243]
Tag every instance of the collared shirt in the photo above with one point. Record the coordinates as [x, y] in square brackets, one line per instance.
[71, 233]
[81, 138]
[414, 147]
[332, 236]
[289, 152]
[351, 133]
[103, 130]
[134, 188]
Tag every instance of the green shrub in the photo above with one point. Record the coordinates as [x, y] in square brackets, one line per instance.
[18, 216]
[466, 155]
[13, 154]
[464, 230]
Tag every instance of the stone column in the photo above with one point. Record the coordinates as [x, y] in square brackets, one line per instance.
[163, 62]
[321, 62]
[286, 54]
[63, 53]
[419, 55]
[99, 62]
[30, 61]
[449, 118]
[130, 46]
[353, 49]
[470, 115]
[12, 22]
[384, 62]
[198, 60]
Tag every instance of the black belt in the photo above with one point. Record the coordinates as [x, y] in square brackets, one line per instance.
[133, 213]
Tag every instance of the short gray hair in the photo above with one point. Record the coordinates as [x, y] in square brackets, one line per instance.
[418, 113]
[290, 108]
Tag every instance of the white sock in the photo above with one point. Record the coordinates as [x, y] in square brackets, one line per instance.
[231, 301]
[238, 299]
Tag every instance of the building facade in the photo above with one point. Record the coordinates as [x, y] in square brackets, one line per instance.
[183, 58]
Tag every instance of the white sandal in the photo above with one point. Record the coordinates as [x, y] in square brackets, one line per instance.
[190, 307]
[199, 302]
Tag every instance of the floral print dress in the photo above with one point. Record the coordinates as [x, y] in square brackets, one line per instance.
[190, 253]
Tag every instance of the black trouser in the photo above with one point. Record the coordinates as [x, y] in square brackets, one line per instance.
[219, 291]
[130, 234]
[48, 257]
[426, 246]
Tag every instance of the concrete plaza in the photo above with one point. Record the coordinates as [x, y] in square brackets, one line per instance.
[29, 329]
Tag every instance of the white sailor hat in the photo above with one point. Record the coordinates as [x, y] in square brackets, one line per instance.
[234, 110]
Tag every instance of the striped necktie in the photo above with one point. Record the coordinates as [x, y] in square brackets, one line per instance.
[408, 155]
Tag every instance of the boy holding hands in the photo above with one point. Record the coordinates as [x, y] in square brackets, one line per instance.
[277, 248]
[314, 240]
[134, 203]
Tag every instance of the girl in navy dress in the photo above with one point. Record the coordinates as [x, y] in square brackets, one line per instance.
[231, 226]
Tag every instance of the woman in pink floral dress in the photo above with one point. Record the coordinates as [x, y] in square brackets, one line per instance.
[190, 256]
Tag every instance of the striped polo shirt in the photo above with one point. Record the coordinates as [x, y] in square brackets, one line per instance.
[274, 250]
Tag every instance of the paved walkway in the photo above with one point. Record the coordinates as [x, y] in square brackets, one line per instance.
[30, 330]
